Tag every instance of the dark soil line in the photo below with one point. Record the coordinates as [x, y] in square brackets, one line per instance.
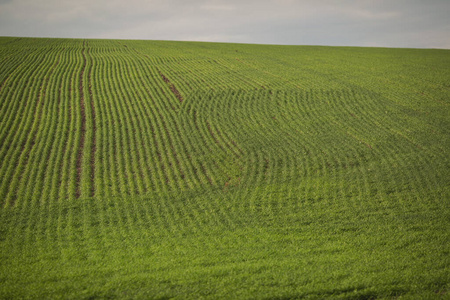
[206, 174]
[13, 72]
[216, 140]
[94, 130]
[237, 147]
[64, 150]
[170, 102]
[83, 128]
[202, 167]
[5, 81]
[38, 116]
[174, 152]
[155, 140]
[218, 143]
[172, 87]
[226, 141]
[158, 154]
[212, 134]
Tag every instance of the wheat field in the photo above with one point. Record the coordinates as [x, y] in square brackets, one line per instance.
[158, 169]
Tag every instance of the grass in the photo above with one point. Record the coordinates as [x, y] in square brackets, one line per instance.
[151, 169]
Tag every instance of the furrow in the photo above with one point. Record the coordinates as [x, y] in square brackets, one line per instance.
[82, 127]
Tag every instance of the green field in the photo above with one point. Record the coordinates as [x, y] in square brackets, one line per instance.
[157, 169]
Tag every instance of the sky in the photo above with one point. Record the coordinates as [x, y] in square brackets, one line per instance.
[381, 23]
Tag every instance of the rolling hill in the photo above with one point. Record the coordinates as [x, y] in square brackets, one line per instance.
[160, 169]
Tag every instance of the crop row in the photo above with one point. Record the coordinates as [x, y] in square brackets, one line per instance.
[102, 118]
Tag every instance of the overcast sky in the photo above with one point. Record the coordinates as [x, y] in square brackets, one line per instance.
[390, 23]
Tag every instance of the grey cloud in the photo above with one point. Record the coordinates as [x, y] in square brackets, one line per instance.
[401, 23]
